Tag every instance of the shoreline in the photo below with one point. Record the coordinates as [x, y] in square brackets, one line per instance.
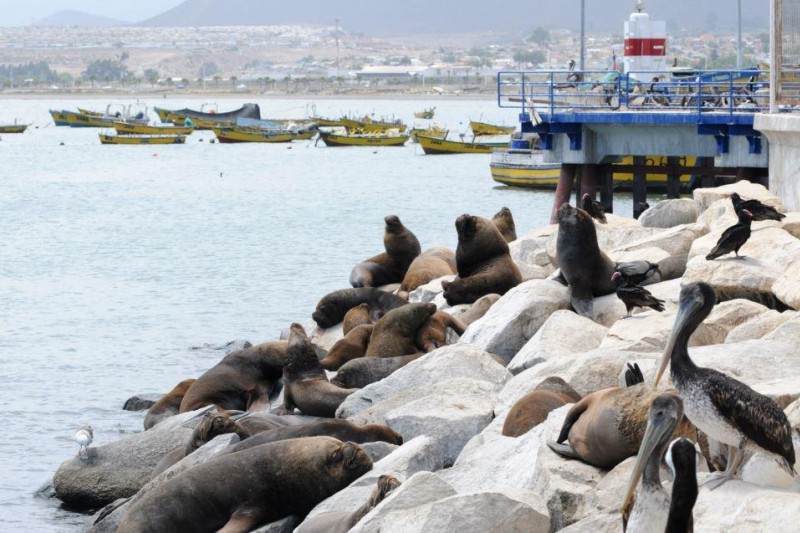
[366, 95]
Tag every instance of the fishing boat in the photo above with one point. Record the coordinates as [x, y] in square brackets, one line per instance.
[437, 132]
[13, 128]
[59, 117]
[390, 138]
[425, 113]
[126, 128]
[433, 145]
[112, 114]
[482, 128]
[328, 122]
[90, 112]
[246, 111]
[241, 135]
[142, 139]
[368, 125]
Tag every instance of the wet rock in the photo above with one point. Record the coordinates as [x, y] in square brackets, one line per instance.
[140, 402]
[562, 334]
[516, 317]
[669, 213]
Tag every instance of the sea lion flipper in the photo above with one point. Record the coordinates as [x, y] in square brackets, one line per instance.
[583, 305]
[243, 520]
[563, 449]
[573, 415]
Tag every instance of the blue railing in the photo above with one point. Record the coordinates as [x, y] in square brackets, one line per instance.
[697, 92]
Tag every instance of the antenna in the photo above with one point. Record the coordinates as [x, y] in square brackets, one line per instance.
[639, 6]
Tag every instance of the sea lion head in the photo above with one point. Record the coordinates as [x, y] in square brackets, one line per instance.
[393, 224]
[300, 354]
[212, 424]
[466, 227]
[386, 484]
[322, 315]
[567, 215]
[347, 460]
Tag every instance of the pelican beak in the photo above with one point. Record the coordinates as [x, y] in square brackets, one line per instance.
[685, 310]
[654, 434]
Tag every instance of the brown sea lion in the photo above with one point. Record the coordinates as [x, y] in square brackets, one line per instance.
[533, 408]
[306, 385]
[212, 424]
[359, 373]
[395, 333]
[433, 333]
[606, 427]
[505, 223]
[401, 247]
[242, 381]
[477, 309]
[360, 315]
[586, 269]
[333, 307]
[257, 422]
[344, 430]
[351, 346]
[431, 264]
[239, 492]
[484, 264]
[344, 521]
[168, 405]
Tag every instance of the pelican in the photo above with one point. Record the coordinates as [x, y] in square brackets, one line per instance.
[652, 506]
[83, 436]
[723, 408]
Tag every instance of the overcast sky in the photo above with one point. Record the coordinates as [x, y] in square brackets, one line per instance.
[21, 13]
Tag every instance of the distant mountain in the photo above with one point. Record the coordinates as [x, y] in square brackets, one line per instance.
[458, 16]
[77, 18]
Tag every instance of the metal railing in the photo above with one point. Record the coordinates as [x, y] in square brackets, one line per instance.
[698, 92]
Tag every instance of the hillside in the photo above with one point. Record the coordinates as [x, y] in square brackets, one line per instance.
[77, 18]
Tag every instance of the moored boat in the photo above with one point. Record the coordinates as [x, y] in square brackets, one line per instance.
[59, 117]
[375, 139]
[126, 128]
[437, 132]
[426, 113]
[433, 145]
[246, 111]
[142, 139]
[13, 128]
[482, 128]
[242, 135]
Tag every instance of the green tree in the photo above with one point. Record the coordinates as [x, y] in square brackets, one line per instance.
[208, 68]
[405, 60]
[151, 75]
[533, 57]
[106, 69]
[540, 36]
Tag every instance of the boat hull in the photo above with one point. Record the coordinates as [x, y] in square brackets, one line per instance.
[229, 136]
[125, 128]
[331, 139]
[433, 145]
[13, 128]
[59, 117]
[482, 128]
[133, 139]
[436, 133]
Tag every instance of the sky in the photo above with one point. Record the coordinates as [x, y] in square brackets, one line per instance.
[16, 13]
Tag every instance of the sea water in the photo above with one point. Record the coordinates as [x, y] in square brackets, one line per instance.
[123, 267]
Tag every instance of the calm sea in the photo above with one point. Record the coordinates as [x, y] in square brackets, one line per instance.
[115, 261]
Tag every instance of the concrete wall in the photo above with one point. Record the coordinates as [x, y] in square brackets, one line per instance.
[783, 133]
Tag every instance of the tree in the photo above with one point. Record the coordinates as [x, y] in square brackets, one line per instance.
[540, 36]
[533, 57]
[151, 75]
[405, 60]
[209, 68]
[106, 69]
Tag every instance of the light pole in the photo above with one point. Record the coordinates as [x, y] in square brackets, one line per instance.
[739, 35]
[337, 49]
[583, 34]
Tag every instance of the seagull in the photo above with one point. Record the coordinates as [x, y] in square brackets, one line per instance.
[83, 436]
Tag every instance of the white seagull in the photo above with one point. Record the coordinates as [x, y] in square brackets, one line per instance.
[83, 436]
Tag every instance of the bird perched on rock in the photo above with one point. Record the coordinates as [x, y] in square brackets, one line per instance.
[83, 436]
[734, 237]
[634, 296]
[595, 209]
[635, 272]
[757, 209]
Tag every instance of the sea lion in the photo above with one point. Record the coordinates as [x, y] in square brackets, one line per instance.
[333, 307]
[344, 430]
[360, 315]
[505, 223]
[168, 405]
[533, 408]
[395, 333]
[477, 309]
[243, 380]
[433, 333]
[257, 422]
[306, 385]
[606, 427]
[401, 247]
[344, 521]
[359, 373]
[212, 424]
[241, 491]
[431, 264]
[484, 264]
[351, 346]
[585, 268]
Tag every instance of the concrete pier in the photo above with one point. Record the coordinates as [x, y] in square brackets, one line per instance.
[783, 133]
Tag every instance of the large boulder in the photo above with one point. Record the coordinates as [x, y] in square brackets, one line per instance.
[787, 286]
[788, 332]
[562, 334]
[675, 241]
[530, 253]
[747, 190]
[427, 292]
[516, 317]
[719, 215]
[792, 223]
[759, 326]
[740, 506]
[669, 213]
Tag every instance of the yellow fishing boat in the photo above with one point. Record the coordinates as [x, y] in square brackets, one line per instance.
[391, 138]
[437, 132]
[142, 139]
[126, 128]
[482, 128]
[90, 112]
[328, 122]
[371, 126]
[13, 128]
[59, 117]
[433, 145]
[426, 114]
[200, 123]
[244, 135]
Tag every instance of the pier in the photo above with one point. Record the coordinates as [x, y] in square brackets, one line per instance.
[700, 122]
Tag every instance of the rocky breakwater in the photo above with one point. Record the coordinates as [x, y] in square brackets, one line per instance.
[458, 471]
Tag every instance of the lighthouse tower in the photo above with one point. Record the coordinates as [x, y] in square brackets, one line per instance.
[645, 43]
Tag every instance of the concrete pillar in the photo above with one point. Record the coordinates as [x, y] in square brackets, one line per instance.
[783, 133]
[566, 178]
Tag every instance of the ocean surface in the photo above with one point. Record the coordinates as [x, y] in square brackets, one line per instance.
[123, 267]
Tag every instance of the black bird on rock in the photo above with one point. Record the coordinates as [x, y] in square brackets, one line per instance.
[635, 272]
[734, 237]
[594, 208]
[634, 296]
[758, 210]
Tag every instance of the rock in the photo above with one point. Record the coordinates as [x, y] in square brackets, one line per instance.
[792, 223]
[740, 506]
[608, 521]
[445, 363]
[324, 338]
[788, 332]
[611, 236]
[469, 313]
[609, 309]
[759, 326]
[562, 334]
[378, 450]
[448, 419]
[426, 293]
[516, 317]
[793, 413]
[675, 241]
[140, 402]
[529, 272]
[284, 525]
[115, 470]
[719, 215]
[787, 286]
[530, 251]
[669, 213]
[747, 190]
[420, 454]
[188, 419]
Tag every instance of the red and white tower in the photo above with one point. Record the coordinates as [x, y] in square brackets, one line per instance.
[645, 42]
